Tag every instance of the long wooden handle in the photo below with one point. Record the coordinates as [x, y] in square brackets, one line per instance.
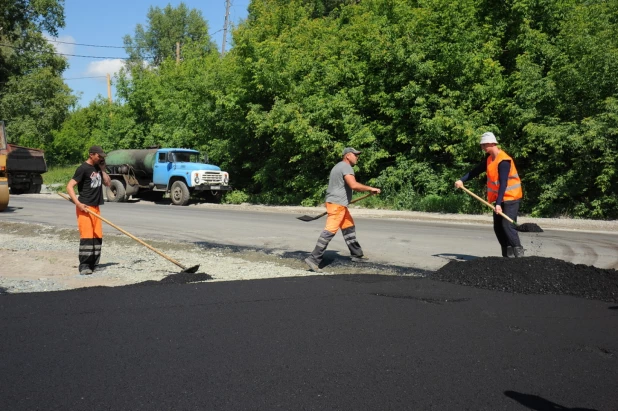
[488, 204]
[127, 234]
[361, 198]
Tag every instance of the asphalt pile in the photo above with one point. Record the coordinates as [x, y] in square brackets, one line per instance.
[533, 275]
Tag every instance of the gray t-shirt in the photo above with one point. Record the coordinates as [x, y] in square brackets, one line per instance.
[338, 191]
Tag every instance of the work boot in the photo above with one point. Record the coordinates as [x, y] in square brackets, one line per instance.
[85, 271]
[504, 253]
[359, 259]
[519, 251]
[313, 264]
[510, 253]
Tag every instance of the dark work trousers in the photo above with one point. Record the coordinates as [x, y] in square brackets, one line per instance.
[349, 235]
[505, 231]
[89, 253]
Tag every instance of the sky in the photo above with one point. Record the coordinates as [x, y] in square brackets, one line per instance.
[106, 23]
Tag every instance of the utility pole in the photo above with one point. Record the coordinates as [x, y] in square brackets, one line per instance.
[227, 16]
[109, 89]
[177, 52]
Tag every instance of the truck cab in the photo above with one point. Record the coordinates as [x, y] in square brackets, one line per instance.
[183, 172]
[178, 171]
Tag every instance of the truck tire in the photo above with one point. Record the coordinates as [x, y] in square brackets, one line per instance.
[35, 188]
[116, 192]
[180, 193]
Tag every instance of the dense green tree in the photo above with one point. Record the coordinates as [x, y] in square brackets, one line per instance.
[34, 100]
[412, 84]
[165, 27]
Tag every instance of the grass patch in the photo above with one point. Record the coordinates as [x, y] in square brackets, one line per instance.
[235, 197]
[56, 178]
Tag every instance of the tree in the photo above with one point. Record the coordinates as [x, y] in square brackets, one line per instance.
[157, 41]
[33, 97]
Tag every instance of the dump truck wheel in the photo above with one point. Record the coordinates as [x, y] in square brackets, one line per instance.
[116, 192]
[180, 193]
[4, 195]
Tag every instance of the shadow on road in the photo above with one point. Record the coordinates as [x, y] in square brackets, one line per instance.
[457, 257]
[534, 402]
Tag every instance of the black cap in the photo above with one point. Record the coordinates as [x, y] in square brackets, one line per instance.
[97, 150]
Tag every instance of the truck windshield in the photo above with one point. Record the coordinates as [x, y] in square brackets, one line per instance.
[183, 157]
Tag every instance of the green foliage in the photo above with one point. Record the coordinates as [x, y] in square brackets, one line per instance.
[35, 105]
[413, 84]
[34, 101]
[235, 197]
[56, 178]
[166, 27]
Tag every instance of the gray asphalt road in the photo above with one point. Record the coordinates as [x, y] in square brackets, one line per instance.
[418, 244]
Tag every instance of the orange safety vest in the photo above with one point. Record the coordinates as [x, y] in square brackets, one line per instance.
[513, 187]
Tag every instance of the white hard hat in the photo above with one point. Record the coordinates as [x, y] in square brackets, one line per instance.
[488, 137]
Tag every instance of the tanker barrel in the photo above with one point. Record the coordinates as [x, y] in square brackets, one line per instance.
[141, 160]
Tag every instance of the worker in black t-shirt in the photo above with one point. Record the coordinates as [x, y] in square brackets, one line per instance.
[89, 179]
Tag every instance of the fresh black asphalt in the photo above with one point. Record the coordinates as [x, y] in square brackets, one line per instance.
[349, 342]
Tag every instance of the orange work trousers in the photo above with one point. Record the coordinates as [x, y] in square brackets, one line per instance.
[89, 226]
[339, 217]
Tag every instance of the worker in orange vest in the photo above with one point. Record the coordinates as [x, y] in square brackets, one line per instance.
[503, 189]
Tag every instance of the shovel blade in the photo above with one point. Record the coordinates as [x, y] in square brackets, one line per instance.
[308, 218]
[528, 228]
[191, 270]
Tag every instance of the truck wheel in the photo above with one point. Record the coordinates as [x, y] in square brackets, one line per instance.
[116, 192]
[180, 193]
[35, 189]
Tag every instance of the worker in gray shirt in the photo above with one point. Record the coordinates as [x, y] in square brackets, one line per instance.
[338, 195]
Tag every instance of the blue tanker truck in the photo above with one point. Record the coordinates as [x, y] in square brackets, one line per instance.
[151, 173]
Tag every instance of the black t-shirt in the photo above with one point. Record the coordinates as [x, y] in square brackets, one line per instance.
[89, 184]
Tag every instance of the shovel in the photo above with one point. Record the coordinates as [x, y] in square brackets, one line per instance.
[522, 228]
[188, 270]
[313, 218]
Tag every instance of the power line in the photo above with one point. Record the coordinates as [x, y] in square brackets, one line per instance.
[89, 45]
[69, 55]
[113, 47]
[79, 78]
